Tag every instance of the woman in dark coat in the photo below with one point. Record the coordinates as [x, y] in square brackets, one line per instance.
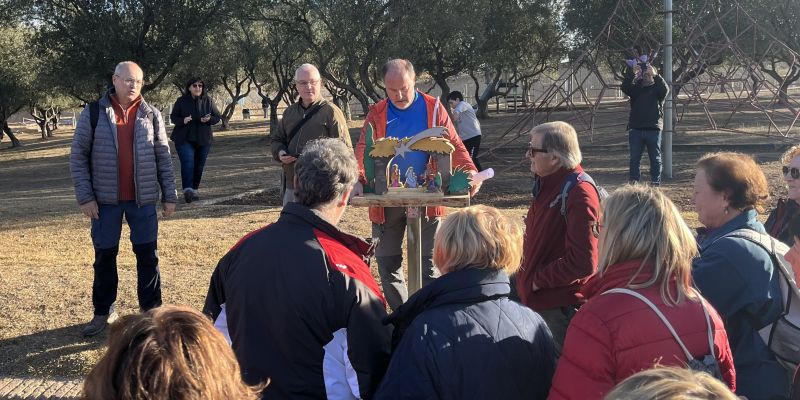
[777, 224]
[460, 337]
[193, 114]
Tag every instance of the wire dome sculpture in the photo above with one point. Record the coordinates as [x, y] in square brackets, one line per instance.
[729, 75]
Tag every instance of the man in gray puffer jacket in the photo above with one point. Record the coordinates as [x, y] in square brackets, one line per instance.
[121, 168]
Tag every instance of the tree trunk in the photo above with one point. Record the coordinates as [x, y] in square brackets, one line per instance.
[273, 115]
[442, 83]
[7, 130]
[227, 114]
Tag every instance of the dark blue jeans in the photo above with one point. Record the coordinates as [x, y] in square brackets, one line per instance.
[106, 230]
[193, 161]
[638, 140]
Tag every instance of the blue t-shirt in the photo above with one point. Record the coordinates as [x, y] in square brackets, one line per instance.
[406, 123]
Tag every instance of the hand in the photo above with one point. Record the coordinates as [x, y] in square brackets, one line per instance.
[187, 120]
[358, 190]
[475, 187]
[90, 210]
[287, 159]
[169, 209]
[205, 119]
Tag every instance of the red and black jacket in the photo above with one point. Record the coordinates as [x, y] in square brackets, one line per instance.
[301, 308]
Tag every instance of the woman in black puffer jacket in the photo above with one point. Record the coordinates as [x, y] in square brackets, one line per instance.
[193, 114]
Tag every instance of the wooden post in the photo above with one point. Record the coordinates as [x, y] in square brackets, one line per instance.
[414, 250]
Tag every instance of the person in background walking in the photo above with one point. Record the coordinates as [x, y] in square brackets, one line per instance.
[467, 125]
[193, 114]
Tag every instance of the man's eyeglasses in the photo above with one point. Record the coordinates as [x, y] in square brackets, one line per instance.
[304, 83]
[533, 150]
[131, 81]
[197, 85]
[793, 171]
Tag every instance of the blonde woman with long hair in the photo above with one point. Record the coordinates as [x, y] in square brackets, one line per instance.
[643, 285]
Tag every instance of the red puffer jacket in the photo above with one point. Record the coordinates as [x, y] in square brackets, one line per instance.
[613, 336]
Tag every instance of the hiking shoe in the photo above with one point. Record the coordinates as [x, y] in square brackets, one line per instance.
[98, 323]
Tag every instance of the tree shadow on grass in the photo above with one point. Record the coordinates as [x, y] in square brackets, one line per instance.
[61, 352]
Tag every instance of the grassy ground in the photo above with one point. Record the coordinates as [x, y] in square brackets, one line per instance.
[46, 253]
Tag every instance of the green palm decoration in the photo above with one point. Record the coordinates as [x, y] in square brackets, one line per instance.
[459, 182]
[369, 163]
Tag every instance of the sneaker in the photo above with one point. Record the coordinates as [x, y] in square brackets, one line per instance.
[98, 323]
[195, 197]
[188, 195]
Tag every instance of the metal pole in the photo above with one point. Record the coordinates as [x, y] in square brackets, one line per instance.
[669, 110]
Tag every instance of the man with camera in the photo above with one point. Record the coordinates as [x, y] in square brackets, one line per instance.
[312, 117]
[647, 91]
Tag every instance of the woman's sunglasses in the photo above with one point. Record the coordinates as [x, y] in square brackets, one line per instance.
[197, 85]
[794, 172]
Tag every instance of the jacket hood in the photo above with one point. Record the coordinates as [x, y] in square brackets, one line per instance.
[359, 246]
[618, 276]
[469, 285]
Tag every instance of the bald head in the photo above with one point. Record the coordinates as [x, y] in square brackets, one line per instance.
[399, 66]
[399, 79]
[308, 82]
[128, 79]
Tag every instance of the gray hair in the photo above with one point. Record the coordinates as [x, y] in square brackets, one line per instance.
[325, 170]
[560, 139]
[120, 66]
[306, 66]
[399, 65]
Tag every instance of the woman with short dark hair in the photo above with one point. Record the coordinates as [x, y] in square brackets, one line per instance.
[736, 275]
[467, 125]
[193, 114]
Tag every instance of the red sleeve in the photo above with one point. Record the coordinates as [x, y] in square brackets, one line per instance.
[460, 155]
[586, 368]
[722, 349]
[579, 261]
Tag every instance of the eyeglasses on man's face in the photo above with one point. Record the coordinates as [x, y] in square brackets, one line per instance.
[533, 150]
[794, 172]
[131, 81]
[314, 82]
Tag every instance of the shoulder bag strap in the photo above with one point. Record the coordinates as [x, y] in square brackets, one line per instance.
[302, 122]
[660, 315]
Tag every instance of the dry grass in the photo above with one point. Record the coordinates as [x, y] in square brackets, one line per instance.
[46, 256]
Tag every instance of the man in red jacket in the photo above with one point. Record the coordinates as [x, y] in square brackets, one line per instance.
[560, 247]
[403, 114]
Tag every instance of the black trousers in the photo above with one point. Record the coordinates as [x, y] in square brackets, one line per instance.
[106, 280]
[473, 145]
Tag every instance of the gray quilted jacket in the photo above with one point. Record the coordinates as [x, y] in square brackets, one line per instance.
[93, 161]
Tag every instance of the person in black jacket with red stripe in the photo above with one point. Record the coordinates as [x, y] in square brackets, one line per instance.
[297, 298]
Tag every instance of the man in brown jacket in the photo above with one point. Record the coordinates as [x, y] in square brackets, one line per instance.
[310, 118]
